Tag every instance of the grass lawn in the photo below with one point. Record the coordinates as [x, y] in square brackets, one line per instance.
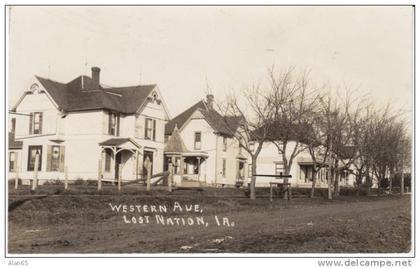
[82, 221]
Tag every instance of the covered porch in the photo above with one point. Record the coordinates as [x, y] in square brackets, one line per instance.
[306, 171]
[119, 159]
[189, 166]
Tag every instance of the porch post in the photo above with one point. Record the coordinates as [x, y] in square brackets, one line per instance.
[119, 176]
[170, 176]
[181, 167]
[199, 167]
[99, 174]
[114, 162]
[137, 164]
[17, 175]
[66, 178]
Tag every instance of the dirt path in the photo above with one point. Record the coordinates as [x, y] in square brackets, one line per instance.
[369, 224]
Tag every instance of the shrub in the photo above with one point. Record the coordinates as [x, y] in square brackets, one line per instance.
[54, 182]
[79, 181]
[11, 182]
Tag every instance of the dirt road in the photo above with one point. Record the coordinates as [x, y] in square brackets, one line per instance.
[87, 224]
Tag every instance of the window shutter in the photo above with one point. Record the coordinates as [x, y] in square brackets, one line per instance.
[118, 125]
[154, 130]
[31, 118]
[146, 127]
[49, 157]
[62, 154]
[109, 122]
[40, 123]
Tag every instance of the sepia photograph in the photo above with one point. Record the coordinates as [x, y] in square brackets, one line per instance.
[209, 131]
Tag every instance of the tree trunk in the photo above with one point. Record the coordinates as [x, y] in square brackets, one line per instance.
[359, 183]
[286, 180]
[336, 183]
[314, 173]
[253, 178]
[329, 183]
[391, 177]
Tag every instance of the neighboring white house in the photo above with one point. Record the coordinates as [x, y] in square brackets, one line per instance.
[270, 162]
[81, 126]
[201, 146]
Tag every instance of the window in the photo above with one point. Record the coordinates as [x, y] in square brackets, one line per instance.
[278, 168]
[240, 146]
[32, 152]
[35, 123]
[113, 124]
[54, 158]
[224, 168]
[150, 129]
[249, 170]
[197, 141]
[306, 173]
[12, 161]
[224, 144]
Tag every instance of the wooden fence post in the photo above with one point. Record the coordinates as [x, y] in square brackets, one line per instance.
[170, 176]
[149, 173]
[35, 178]
[66, 178]
[100, 175]
[16, 176]
[119, 176]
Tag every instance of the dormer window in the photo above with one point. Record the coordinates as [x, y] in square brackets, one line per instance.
[35, 123]
[114, 124]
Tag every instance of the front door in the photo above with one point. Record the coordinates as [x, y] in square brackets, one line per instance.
[147, 155]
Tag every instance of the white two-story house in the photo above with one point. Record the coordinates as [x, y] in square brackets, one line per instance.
[82, 127]
[201, 146]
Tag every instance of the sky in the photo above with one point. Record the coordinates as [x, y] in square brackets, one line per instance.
[185, 50]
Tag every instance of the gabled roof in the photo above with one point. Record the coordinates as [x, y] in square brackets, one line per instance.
[224, 125]
[287, 131]
[13, 144]
[83, 93]
[175, 143]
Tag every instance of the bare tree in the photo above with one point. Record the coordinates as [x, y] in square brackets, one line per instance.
[292, 103]
[255, 114]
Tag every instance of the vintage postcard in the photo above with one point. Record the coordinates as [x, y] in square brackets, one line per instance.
[210, 131]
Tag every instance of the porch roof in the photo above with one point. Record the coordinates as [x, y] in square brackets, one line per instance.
[117, 142]
[196, 154]
[304, 161]
[175, 144]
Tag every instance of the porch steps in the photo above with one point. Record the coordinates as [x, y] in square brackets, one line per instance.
[187, 183]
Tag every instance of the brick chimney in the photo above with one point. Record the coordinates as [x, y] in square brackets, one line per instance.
[96, 74]
[210, 101]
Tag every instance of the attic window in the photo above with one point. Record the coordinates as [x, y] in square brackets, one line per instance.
[34, 88]
[154, 98]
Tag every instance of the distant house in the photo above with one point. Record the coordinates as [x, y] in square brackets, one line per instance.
[83, 126]
[201, 145]
[270, 161]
